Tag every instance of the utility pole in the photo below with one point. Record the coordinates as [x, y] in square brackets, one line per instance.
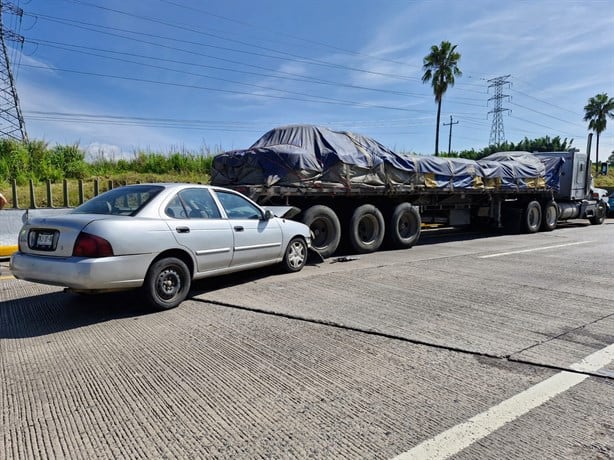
[450, 136]
[497, 133]
[12, 124]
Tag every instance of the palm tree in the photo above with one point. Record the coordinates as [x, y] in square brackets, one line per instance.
[440, 67]
[596, 112]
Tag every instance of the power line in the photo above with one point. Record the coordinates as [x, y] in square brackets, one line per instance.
[88, 51]
[315, 99]
[290, 56]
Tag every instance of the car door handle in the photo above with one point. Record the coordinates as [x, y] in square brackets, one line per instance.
[182, 229]
[239, 228]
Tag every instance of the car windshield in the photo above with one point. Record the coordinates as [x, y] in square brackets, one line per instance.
[125, 201]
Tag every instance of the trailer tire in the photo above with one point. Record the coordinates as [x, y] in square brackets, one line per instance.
[550, 216]
[325, 229]
[367, 229]
[600, 212]
[403, 230]
[532, 217]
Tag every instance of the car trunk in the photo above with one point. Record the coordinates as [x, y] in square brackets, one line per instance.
[53, 236]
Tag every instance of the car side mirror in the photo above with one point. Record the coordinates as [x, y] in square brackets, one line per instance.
[268, 215]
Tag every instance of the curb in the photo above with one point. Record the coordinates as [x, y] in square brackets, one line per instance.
[7, 251]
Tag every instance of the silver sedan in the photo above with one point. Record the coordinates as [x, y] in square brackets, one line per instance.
[158, 237]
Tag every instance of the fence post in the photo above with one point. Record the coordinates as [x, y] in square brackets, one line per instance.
[14, 190]
[65, 189]
[80, 191]
[96, 187]
[49, 195]
[32, 200]
[110, 185]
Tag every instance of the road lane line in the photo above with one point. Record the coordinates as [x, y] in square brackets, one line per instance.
[461, 436]
[543, 248]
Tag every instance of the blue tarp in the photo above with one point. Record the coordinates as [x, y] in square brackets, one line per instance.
[303, 155]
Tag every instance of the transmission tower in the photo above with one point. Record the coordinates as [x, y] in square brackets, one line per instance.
[12, 124]
[497, 133]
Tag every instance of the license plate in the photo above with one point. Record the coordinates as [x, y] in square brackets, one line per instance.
[44, 240]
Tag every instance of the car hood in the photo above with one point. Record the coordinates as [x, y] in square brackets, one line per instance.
[287, 212]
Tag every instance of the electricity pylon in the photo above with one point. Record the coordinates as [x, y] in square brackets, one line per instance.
[12, 124]
[497, 133]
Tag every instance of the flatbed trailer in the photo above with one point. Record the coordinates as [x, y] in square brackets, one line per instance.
[371, 216]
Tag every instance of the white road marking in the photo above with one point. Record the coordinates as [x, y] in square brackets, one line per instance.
[457, 438]
[543, 248]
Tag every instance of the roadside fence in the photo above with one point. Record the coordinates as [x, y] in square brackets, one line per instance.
[71, 193]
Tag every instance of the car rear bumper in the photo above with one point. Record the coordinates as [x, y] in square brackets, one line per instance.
[99, 274]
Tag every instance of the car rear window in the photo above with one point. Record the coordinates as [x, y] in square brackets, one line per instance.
[124, 201]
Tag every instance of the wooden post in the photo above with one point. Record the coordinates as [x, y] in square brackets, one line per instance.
[32, 200]
[81, 191]
[65, 187]
[14, 190]
[49, 195]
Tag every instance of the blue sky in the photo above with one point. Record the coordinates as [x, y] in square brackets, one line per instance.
[117, 76]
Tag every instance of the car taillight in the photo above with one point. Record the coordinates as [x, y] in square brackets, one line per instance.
[88, 245]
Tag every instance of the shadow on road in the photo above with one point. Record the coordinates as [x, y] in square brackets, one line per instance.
[59, 311]
[49, 313]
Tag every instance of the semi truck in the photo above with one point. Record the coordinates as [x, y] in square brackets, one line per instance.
[348, 187]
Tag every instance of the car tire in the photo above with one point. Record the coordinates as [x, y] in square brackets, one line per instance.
[367, 229]
[167, 283]
[295, 256]
[550, 216]
[325, 229]
[403, 228]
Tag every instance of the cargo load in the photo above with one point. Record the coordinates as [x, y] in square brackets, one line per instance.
[306, 156]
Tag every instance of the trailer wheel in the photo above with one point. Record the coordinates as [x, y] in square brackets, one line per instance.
[532, 217]
[403, 228]
[550, 216]
[325, 229]
[600, 212]
[366, 228]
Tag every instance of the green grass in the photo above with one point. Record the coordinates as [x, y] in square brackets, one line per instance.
[606, 181]
[36, 167]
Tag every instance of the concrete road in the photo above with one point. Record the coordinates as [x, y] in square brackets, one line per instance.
[463, 347]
